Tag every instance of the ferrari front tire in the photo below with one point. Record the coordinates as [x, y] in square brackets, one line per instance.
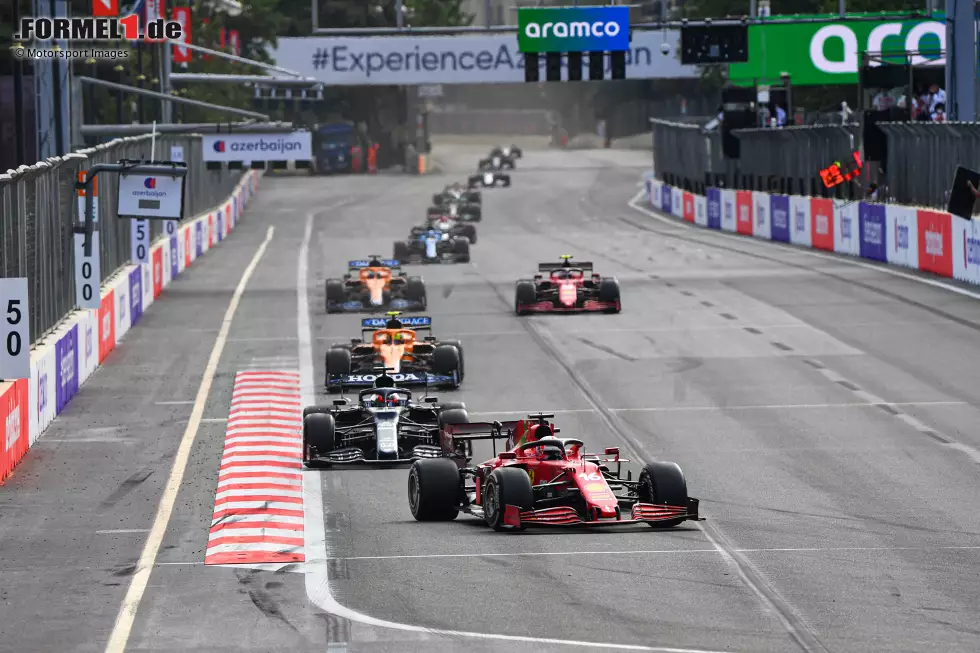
[434, 489]
[507, 486]
[609, 292]
[663, 483]
[526, 295]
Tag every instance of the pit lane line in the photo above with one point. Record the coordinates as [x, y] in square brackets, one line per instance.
[317, 570]
[123, 625]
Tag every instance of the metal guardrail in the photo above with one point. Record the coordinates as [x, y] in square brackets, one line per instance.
[788, 160]
[38, 206]
[922, 159]
[918, 170]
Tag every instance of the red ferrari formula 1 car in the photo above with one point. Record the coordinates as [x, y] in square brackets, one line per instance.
[542, 480]
[567, 287]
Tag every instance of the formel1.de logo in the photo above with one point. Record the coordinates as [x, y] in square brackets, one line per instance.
[102, 28]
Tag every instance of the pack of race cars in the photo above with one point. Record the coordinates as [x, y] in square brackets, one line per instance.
[539, 478]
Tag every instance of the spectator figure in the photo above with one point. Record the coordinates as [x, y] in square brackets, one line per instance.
[939, 115]
[936, 96]
[780, 116]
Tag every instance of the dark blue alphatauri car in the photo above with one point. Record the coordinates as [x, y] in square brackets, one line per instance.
[433, 245]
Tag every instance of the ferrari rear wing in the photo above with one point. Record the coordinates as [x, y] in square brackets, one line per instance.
[481, 430]
[549, 267]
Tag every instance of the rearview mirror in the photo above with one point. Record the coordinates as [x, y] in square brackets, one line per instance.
[339, 402]
[507, 455]
[431, 400]
[612, 451]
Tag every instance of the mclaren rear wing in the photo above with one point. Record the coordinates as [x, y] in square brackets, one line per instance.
[413, 322]
[548, 267]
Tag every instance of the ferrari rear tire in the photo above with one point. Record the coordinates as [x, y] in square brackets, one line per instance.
[663, 483]
[319, 436]
[434, 489]
[507, 486]
[335, 295]
[469, 231]
[337, 363]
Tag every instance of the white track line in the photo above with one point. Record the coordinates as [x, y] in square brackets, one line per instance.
[137, 586]
[806, 252]
[315, 545]
[681, 409]
[531, 554]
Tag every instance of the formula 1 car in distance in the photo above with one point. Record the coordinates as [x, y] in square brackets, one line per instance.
[496, 161]
[509, 151]
[429, 244]
[489, 180]
[567, 287]
[375, 284]
[447, 224]
[457, 192]
[396, 345]
[543, 480]
[385, 427]
[457, 210]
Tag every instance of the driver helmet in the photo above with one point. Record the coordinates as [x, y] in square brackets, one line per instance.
[395, 399]
[550, 452]
[375, 400]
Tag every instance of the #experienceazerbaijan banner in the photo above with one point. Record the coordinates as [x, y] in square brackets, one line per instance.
[477, 59]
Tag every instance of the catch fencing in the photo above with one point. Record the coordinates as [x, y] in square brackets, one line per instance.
[38, 207]
[917, 169]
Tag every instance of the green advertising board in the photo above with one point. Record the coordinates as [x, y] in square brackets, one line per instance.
[829, 53]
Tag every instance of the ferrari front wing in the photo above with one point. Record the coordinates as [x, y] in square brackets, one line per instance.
[641, 513]
[588, 306]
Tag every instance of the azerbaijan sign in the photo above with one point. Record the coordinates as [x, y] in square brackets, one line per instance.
[573, 29]
[829, 53]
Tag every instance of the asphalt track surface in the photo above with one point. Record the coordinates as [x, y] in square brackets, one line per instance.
[825, 413]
